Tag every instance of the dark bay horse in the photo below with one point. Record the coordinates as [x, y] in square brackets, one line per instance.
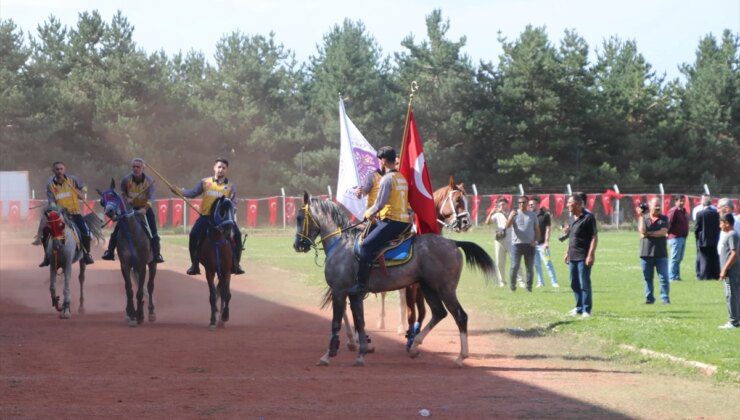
[452, 206]
[216, 256]
[436, 265]
[134, 253]
[63, 251]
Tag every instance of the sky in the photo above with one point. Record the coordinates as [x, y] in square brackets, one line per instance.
[667, 32]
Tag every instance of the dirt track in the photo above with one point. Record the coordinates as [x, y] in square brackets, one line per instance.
[263, 363]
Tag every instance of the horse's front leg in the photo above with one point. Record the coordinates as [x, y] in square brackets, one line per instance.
[212, 297]
[402, 323]
[130, 312]
[53, 288]
[66, 313]
[358, 315]
[140, 284]
[150, 291]
[81, 278]
[338, 304]
[224, 285]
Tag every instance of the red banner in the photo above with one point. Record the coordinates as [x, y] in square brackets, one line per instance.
[272, 204]
[695, 201]
[667, 203]
[559, 204]
[193, 214]
[650, 197]
[324, 197]
[289, 210]
[34, 211]
[545, 201]
[476, 206]
[606, 201]
[636, 200]
[591, 201]
[14, 213]
[687, 205]
[86, 208]
[493, 198]
[162, 209]
[252, 208]
[178, 209]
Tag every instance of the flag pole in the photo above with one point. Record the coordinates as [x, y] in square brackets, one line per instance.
[414, 88]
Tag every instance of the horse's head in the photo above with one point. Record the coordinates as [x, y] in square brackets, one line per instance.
[307, 227]
[222, 214]
[113, 204]
[452, 206]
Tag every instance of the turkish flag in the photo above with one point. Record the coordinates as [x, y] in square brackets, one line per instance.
[193, 215]
[590, 201]
[476, 206]
[324, 197]
[696, 201]
[666, 203]
[545, 201]
[289, 209]
[559, 204]
[650, 197]
[177, 212]
[606, 201]
[162, 208]
[14, 212]
[687, 205]
[636, 200]
[490, 208]
[414, 169]
[34, 211]
[272, 204]
[252, 208]
[715, 201]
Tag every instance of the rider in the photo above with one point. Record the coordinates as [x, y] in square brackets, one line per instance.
[211, 188]
[391, 205]
[138, 190]
[64, 191]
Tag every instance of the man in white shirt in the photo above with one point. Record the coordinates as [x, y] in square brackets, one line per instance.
[502, 240]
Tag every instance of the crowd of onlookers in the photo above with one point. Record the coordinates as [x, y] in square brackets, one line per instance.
[524, 233]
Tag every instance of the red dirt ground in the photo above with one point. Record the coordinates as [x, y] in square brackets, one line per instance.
[262, 365]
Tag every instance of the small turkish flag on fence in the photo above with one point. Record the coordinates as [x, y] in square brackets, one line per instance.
[289, 210]
[193, 215]
[559, 204]
[252, 209]
[177, 212]
[272, 204]
[163, 207]
[545, 201]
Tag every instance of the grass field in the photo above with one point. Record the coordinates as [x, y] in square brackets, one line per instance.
[686, 328]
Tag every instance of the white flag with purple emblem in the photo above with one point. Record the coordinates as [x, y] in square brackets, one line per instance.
[357, 160]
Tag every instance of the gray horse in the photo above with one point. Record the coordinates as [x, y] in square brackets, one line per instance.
[134, 253]
[436, 265]
[63, 250]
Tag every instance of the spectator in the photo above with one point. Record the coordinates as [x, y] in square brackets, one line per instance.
[502, 243]
[543, 244]
[705, 198]
[706, 232]
[523, 241]
[678, 230]
[729, 248]
[724, 206]
[653, 229]
[581, 254]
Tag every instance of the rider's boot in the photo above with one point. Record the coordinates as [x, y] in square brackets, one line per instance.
[86, 258]
[156, 250]
[236, 267]
[44, 239]
[194, 260]
[363, 275]
[108, 255]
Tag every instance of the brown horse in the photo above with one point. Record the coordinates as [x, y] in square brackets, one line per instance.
[452, 206]
[216, 255]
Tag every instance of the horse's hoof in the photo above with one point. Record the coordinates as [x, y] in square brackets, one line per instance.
[212, 327]
[370, 349]
[459, 362]
[132, 323]
[359, 362]
[414, 353]
[152, 317]
[351, 346]
[322, 362]
[81, 310]
[65, 315]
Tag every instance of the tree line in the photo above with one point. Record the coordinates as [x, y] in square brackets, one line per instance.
[542, 115]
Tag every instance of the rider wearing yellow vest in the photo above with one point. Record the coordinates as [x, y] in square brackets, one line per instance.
[391, 206]
[138, 190]
[210, 189]
[65, 191]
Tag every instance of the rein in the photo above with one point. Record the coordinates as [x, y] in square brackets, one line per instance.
[454, 215]
[306, 230]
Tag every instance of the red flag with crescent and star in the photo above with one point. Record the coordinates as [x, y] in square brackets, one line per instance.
[252, 208]
[476, 206]
[193, 215]
[545, 201]
[559, 204]
[177, 212]
[272, 204]
[414, 169]
[163, 207]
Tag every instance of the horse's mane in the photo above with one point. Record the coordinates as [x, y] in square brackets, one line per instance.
[338, 216]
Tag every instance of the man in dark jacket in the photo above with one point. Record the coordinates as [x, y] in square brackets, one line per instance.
[707, 237]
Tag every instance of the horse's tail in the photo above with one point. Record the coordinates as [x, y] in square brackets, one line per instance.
[478, 258]
[327, 298]
[95, 226]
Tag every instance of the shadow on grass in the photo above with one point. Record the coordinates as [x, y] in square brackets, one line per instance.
[522, 332]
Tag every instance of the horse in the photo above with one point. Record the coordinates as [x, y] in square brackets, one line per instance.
[134, 253]
[436, 265]
[216, 255]
[452, 206]
[63, 250]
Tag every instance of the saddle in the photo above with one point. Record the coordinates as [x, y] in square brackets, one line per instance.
[397, 252]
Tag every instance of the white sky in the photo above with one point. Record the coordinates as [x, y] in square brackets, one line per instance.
[667, 32]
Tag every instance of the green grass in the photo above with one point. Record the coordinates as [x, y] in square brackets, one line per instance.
[687, 328]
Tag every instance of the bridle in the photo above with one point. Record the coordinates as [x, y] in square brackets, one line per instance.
[453, 220]
[305, 234]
